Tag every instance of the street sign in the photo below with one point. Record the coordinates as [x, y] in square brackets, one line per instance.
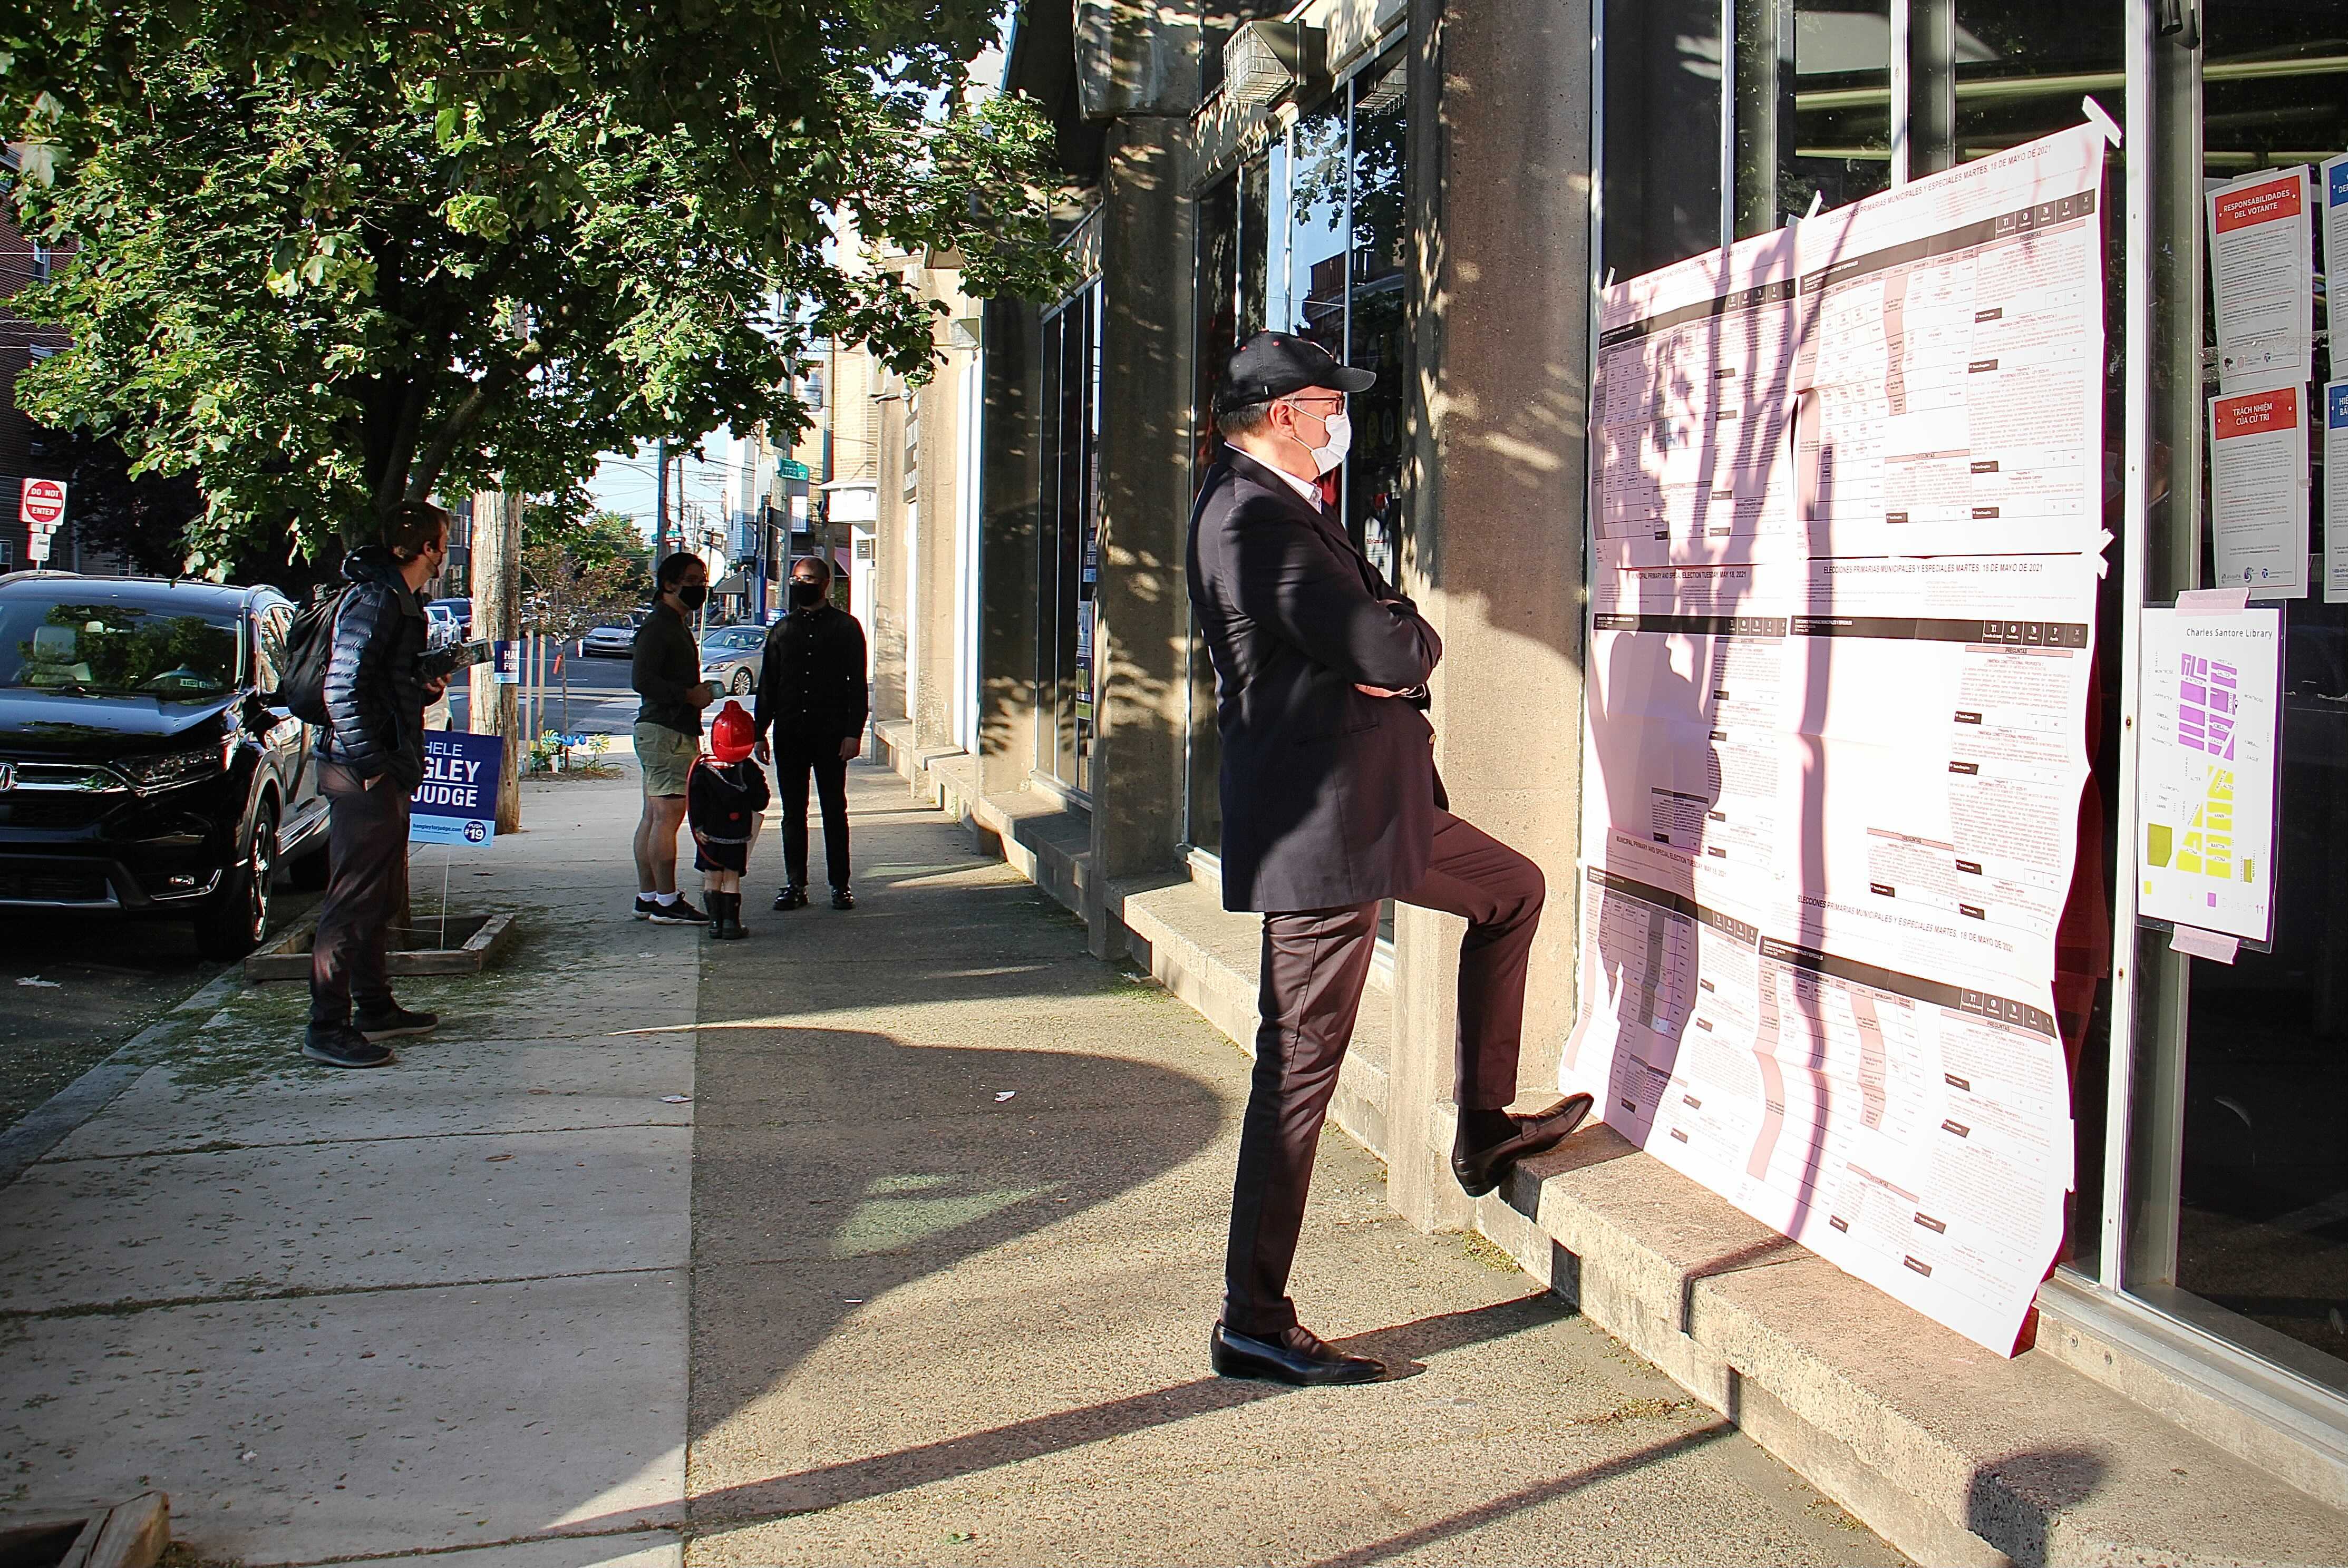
[792, 468]
[44, 503]
[42, 510]
[458, 801]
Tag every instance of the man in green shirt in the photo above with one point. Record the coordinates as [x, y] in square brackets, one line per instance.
[667, 674]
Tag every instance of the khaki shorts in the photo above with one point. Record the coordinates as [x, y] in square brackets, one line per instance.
[667, 758]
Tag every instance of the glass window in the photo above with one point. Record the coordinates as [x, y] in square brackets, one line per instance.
[1813, 107]
[2237, 1215]
[1662, 157]
[103, 648]
[1377, 325]
[1320, 194]
[1070, 452]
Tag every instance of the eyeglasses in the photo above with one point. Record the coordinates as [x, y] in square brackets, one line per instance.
[1335, 400]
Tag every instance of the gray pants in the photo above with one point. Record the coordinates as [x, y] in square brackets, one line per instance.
[1308, 994]
[366, 886]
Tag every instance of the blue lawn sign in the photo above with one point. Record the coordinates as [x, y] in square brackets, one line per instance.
[458, 801]
[508, 665]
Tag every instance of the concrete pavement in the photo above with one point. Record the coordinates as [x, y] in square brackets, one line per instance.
[922, 1272]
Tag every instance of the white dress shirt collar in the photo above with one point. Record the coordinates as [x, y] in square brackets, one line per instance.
[1307, 488]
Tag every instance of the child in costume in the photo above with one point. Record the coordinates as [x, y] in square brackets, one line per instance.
[723, 799]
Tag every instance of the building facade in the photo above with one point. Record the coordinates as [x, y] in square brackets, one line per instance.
[1435, 193]
[26, 450]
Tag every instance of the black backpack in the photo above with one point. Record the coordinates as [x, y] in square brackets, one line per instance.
[309, 647]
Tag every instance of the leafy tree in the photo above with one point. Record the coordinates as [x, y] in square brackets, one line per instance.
[335, 253]
[579, 572]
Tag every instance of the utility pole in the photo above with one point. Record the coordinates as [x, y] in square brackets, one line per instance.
[495, 708]
[660, 504]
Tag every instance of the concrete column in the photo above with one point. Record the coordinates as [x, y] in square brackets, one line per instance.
[1144, 505]
[936, 575]
[892, 552]
[1494, 554]
[1011, 481]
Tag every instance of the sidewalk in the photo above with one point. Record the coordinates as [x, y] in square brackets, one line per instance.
[362, 1315]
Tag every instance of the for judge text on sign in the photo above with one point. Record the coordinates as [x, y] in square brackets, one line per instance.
[458, 801]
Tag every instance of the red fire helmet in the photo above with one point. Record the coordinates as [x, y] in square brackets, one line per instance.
[731, 734]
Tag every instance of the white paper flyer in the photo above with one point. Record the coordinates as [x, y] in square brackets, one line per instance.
[2258, 490]
[2335, 491]
[2261, 269]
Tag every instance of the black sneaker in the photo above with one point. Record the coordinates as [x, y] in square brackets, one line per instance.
[340, 1045]
[841, 898]
[791, 898]
[681, 913]
[647, 906]
[387, 1022]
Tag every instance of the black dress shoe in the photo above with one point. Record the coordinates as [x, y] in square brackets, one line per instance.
[841, 898]
[791, 898]
[1298, 1356]
[1481, 1170]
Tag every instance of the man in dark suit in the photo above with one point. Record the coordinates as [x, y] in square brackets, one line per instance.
[1331, 803]
[812, 693]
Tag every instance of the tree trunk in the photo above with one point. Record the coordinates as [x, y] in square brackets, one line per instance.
[496, 709]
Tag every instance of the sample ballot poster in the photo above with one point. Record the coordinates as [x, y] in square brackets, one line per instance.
[1846, 513]
[2207, 769]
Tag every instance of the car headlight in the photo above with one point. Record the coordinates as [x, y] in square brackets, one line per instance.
[148, 774]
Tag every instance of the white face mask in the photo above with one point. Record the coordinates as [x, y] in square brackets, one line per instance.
[1335, 444]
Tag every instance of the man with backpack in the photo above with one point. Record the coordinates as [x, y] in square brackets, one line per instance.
[372, 692]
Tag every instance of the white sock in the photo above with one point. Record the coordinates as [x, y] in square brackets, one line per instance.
[664, 898]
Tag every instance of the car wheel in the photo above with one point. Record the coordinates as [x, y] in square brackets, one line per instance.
[741, 687]
[234, 919]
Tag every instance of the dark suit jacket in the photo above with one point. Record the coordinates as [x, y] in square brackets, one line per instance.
[811, 685]
[1329, 796]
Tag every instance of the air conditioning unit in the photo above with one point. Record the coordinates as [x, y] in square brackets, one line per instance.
[1264, 62]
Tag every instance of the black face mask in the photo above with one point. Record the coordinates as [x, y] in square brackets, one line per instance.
[805, 595]
[693, 596]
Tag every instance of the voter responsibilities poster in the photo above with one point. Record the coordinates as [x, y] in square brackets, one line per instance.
[1846, 507]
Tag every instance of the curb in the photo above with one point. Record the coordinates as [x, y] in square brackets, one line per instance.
[59, 1116]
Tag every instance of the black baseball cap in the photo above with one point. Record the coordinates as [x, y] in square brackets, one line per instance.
[1273, 365]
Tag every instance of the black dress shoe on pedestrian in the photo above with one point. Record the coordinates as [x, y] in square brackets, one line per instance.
[841, 898]
[791, 898]
[1481, 1169]
[340, 1045]
[1296, 1356]
[388, 1022]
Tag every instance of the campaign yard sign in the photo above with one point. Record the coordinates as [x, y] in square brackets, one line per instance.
[458, 801]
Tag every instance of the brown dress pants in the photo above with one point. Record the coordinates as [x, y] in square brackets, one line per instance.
[1314, 963]
[366, 883]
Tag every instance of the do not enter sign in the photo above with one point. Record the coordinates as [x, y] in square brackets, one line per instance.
[44, 506]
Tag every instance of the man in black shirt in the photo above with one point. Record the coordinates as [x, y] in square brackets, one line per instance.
[667, 674]
[811, 689]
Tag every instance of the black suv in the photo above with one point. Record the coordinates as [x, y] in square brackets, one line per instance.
[142, 767]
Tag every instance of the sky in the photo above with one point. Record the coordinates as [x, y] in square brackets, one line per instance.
[623, 481]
